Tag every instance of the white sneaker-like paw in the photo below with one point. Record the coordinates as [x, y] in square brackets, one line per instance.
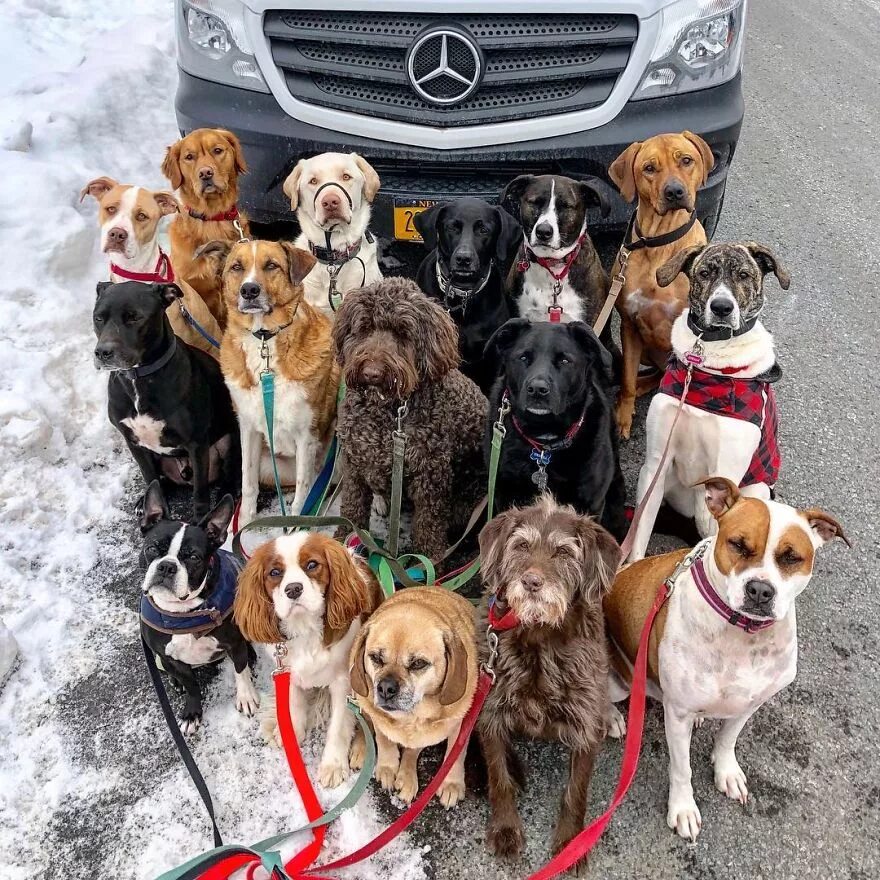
[683, 817]
[451, 792]
[332, 774]
[247, 700]
[699, 721]
[730, 780]
[615, 723]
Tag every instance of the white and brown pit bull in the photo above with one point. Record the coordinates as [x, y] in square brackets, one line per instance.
[726, 640]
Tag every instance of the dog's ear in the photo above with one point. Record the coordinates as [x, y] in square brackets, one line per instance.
[824, 526]
[253, 609]
[371, 178]
[290, 187]
[97, 188]
[215, 252]
[594, 193]
[171, 166]
[511, 195]
[601, 558]
[767, 262]
[299, 262]
[167, 203]
[509, 236]
[437, 343]
[683, 261]
[347, 597]
[155, 507]
[704, 151]
[237, 151]
[493, 540]
[622, 171]
[360, 681]
[216, 522]
[426, 224]
[168, 293]
[503, 339]
[721, 494]
[455, 680]
[588, 342]
[101, 287]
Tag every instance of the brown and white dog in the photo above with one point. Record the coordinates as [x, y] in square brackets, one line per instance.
[308, 592]
[271, 326]
[332, 195]
[203, 169]
[728, 425]
[726, 640]
[130, 217]
[664, 173]
[414, 670]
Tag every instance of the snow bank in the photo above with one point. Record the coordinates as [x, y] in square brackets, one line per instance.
[87, 89]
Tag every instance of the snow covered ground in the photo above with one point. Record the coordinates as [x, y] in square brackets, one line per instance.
[89, 783]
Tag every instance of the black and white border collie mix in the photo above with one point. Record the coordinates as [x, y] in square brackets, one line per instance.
[186, 608]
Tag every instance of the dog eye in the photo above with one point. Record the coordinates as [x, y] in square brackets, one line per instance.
[188, 157]
[130, 318]
[789, 558]
[564, 360]
[744, 275]
[739, 546]
[704, 273]
[482, 229]
[218, 151]
[686, 160]
[271, 266]
[418, 665]
[649, 169]
[275, 573]
[313, 181]
[521, 546]
[98, 319]
[194, 556]
[563, 550]
[311, 565]
[346, 176]
[141, 217]
[110, 209]
[376, 658]
[236, 267]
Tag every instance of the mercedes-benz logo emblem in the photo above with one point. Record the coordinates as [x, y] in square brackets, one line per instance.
[444, 66]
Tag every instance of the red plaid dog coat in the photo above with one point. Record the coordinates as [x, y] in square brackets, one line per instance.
[752, 400]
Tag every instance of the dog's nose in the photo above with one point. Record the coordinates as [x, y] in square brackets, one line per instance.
[166, 569]
[250, 290]
[544, 232]
[330, 201]
[206, 173]
[532, 581]
[388, 688]
[722, 307]
[463, 259]
[760, 592]
[293, 591]
[371, 373]
[103, 352]
[538, 387]
[674, 191]
[117, 235]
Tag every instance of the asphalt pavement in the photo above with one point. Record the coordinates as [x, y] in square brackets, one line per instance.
[806, 182]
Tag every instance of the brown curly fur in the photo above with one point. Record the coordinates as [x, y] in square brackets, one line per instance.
[552, 672]
[395, 331]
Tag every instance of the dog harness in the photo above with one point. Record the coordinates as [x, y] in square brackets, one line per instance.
[456, 298]
[751, 400]
[717, 604]
[223, 570]
[552, 264]
[231, 214]
[162, 274]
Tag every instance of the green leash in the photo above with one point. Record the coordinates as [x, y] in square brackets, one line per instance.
[398, 452]
[267, 383]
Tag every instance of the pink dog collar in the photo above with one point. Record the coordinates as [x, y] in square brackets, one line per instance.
[717, 604]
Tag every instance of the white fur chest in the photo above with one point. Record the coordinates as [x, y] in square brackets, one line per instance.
[192, 651]
[293, 414]
[537, 297]
[713, 669]
[147, 432]
[311, 662]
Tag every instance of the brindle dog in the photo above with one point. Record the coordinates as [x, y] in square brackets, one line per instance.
[552, 568]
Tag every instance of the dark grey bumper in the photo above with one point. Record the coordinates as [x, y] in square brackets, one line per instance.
[274, 141]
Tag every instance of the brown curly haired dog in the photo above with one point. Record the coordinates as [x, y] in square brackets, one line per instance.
[551, 567]
[396, 345]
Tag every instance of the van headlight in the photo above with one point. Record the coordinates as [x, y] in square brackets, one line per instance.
[699, 45]
[212, 43]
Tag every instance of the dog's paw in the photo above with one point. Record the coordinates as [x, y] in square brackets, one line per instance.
[699, 721]
[385, 774]
[730, 779]
[683, 817]
[406, 784]
[624, 418]
[357, 754]
[451, 792]
[247, 700]
[332, 774]
[505, 841]
[190, 723]
[615, 723]
[560, 841]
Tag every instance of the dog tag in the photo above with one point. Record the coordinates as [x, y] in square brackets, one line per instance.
[539, 478]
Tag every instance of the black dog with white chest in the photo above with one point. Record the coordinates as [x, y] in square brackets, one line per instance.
[556, 382]
[471, 243]
[186, 609]
[167, 399]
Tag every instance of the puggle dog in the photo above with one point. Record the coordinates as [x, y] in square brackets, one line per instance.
[726, 640]
[414, 670]
[729, 421]
[547, 568]
[332, 195]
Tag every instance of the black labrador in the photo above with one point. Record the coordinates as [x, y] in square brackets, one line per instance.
[561, 436]
[167, 399]
[471, 243]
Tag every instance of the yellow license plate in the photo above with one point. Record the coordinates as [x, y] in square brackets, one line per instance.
[404, 217]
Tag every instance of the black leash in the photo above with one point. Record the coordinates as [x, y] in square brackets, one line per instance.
[179, 739]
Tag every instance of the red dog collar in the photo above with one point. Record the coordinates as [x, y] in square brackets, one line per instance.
[231, 214]
[162, 274]
[506, 621]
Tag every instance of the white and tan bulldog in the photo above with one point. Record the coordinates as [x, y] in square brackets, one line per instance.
[726, 640]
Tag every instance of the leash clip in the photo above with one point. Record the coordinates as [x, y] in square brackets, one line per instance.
[503, 410]
[489, 666]
[264, 354]
[402, 412]
[278, 654]
[237, 225]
